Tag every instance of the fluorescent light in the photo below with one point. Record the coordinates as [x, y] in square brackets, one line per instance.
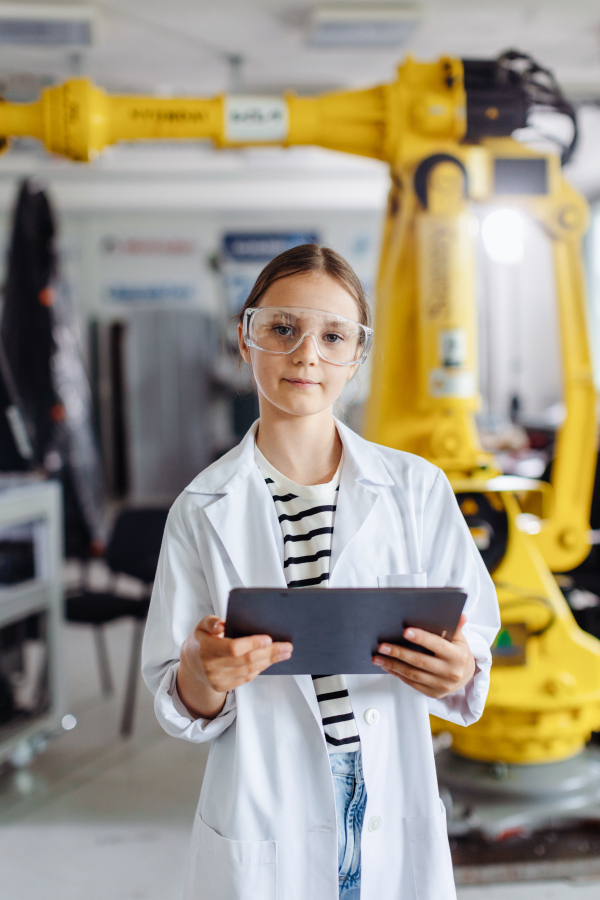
[503, 236]
[46, 24]
[363, 25]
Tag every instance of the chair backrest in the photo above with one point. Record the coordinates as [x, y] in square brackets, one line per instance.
[134, 544]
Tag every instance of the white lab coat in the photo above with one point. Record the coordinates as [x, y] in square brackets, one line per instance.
[265, 826]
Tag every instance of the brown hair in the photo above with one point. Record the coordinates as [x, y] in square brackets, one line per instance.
[305, 259]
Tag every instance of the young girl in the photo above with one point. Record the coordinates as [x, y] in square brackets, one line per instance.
[324, 787]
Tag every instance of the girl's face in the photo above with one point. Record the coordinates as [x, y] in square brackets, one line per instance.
[300, 383]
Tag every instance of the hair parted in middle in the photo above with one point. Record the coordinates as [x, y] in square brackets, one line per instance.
[307, 259]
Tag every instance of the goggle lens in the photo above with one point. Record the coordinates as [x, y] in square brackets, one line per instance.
[338, 340]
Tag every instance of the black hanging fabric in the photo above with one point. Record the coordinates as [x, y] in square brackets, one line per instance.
[46, 373]
[16, 452]
[26, 328]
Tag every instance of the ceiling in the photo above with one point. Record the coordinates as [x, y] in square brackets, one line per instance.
[169, 47]
[187, 46]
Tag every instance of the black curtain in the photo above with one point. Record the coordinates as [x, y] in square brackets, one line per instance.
[34, 312]
[26, 328]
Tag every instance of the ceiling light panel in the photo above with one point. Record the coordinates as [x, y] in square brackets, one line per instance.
[46, 25]
[366, 25]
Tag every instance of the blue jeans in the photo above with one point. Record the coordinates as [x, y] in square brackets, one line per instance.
[350, 803]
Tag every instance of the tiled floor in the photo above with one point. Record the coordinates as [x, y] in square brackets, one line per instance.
[98, 818]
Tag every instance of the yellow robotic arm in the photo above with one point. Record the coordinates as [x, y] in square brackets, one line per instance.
[427, 393]
[77, 119]
[444, 128]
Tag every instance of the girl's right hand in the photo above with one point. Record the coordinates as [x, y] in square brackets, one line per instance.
[211, 665]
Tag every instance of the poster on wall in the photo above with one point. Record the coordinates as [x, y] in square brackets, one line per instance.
[245, 254]
[140, 270]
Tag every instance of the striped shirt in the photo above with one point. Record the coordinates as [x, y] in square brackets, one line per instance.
[306, 515]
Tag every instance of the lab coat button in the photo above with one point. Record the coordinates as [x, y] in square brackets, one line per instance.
[375, 823]
[371, 716]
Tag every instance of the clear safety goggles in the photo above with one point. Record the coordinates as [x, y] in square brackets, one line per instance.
[337, 340]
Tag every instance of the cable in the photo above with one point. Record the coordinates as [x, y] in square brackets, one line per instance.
[543, 92]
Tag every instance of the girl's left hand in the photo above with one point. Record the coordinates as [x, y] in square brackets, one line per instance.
[435, 676]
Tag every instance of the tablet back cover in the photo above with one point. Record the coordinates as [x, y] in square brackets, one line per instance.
[338, 630]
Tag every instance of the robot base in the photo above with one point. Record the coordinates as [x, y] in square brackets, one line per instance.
[499, 800]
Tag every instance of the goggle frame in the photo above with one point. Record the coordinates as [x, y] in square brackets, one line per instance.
[252, 310]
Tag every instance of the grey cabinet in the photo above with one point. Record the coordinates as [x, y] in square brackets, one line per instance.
[155, 375]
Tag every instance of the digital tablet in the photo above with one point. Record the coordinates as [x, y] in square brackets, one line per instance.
[338, 630]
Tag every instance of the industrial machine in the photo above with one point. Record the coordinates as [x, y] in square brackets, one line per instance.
[445, 129]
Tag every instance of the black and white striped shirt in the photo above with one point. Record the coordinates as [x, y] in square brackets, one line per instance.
[306, 515]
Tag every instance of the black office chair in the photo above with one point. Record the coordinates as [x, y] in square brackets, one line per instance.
[133, 550]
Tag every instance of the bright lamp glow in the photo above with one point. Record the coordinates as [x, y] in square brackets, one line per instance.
[503, 238]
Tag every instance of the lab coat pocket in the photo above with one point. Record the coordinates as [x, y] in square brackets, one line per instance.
[430, 852]
[231, 870]
[406, 580]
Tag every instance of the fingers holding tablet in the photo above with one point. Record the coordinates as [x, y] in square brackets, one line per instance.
[449, 668]
[211, 664]
[230, 662]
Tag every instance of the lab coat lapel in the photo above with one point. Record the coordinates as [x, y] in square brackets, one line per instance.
[354, 506]
[246, 523]
[356, 500]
